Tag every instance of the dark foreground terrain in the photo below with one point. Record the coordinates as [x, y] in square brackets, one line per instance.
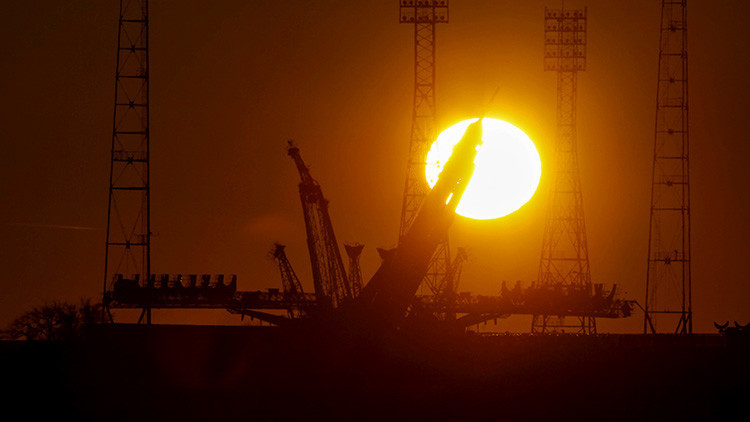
[127, 372]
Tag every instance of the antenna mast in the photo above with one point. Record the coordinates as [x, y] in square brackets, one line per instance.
[668, 282]
[128, 250]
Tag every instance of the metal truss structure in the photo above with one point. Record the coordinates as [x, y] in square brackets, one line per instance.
[355, 271]
[668, 281]
[128, 247]
[452, 280]
[179, 292]
[293, 292]
[565, 261]
[424, 15]
[331, 283]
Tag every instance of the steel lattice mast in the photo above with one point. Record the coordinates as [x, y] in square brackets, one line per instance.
[128, 250]
[424, 15]
[331, 283]
[564, 263]
[668, 282]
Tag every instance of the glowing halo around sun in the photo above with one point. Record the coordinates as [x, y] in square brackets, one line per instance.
[507, 171]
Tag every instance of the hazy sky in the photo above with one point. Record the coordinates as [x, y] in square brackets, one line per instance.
[233, 80]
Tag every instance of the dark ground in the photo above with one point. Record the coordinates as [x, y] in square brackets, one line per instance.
[127, 372]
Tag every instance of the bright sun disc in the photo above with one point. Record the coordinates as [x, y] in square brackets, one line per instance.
[507, 171]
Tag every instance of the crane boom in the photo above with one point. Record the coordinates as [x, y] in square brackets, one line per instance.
[329, 277]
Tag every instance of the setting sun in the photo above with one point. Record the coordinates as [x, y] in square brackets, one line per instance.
[507, 172]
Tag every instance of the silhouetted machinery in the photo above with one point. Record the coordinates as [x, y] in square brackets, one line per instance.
[329, 277]
[294, 296]
[387, 296]
[390, 295]
[385, 299]
[173, 291]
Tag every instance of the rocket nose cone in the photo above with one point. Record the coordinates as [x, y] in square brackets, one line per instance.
[474, 132]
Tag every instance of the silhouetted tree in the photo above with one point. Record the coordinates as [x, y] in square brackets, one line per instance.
[55, 321]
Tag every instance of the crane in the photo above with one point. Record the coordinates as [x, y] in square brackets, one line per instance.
[331, 283]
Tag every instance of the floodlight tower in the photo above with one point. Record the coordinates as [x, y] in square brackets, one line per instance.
[668, 282]
[565, 260]
[424, 15]
[128, 248]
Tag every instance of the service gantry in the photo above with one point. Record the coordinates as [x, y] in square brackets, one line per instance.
[564, 263]
[424, 15]
[128, 246]
[668, 282]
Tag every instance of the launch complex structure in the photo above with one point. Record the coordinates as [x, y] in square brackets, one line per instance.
[564, 291]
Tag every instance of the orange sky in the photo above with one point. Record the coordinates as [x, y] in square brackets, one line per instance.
[231, 82]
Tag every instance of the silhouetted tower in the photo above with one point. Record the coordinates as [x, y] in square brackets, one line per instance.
[293, 293]
[355, 272]
[668, 283]
[565, 260]
[329, 277]
[128, 250]
[424, 15]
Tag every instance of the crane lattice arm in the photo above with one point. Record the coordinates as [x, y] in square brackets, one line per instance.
[293, 293]
[329, 277]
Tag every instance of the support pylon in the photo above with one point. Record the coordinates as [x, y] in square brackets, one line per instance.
[354, 251]
[564, 263]
[128, 250]
[668, 281]
[424, 15]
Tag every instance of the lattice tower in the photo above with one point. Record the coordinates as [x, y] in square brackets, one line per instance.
[128, 248]
[424, 15]
[564, 263]
[668, 281]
